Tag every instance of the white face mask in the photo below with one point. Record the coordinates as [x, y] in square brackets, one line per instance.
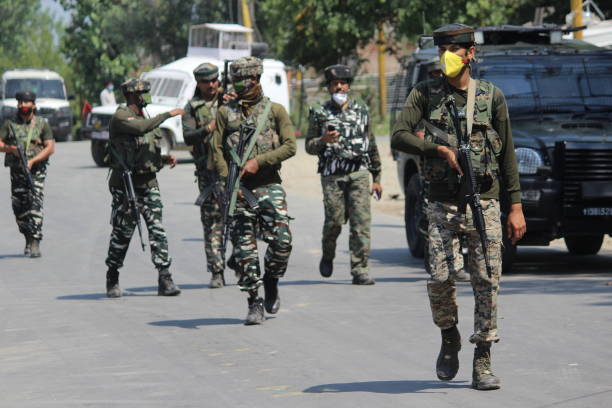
[340, 98]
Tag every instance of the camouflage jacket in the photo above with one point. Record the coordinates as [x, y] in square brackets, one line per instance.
[198, 114]
[38, 131]
[356, 148]
[275, 144]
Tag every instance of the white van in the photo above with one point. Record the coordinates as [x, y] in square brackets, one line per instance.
[173, 85]
[51, 98]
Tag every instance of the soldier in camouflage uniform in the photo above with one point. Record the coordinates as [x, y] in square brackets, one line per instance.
[274, 144]
[134, 146]
[340, 133]
[34, 135]
[198, 125]
[494, 162]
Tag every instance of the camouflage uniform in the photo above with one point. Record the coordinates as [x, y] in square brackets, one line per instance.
[134, 143]
[275, 143]
[344, 167]
[198, 114]
[27, 207]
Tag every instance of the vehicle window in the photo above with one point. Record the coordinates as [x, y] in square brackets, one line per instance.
[43, 88]
[167, 87]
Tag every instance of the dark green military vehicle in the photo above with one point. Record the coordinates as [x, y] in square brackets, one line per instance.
[559, 95]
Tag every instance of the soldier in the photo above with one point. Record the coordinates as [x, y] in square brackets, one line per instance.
[340, 133]
[33, 134]
[198, 125]
[134, 147]
[274, 144]
[492, 151]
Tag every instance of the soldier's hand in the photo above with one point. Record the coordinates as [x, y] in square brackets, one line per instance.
[250, 167]
[516, 226]
[377, 191]
[330, 136]
[176, 112]
[211, 126]
[229, 96]
[171, 160]
[450, 155]
[11, 149]
[30, 164]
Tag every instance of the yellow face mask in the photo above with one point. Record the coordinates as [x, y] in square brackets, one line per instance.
[451, 63]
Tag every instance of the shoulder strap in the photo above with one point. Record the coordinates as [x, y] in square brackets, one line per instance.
[470, 105]
[261, 121]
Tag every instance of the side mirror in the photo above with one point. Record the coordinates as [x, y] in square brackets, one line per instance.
[71, 97]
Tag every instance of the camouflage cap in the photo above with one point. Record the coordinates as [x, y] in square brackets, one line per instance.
[206, 71]
[246, 66]
[25, 96]
[338, 71]
[134, 85]
[454, 34]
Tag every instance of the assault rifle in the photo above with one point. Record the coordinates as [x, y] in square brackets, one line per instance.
[233, 185]
[23, 161]
[224, 81]
[130, 194]
[212, 188]
[469, 187]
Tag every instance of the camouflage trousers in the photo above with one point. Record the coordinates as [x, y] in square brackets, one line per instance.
[445, 226]
[271, 222]
[211, 216]
[346, 197]
[28, 207]
[124, 224]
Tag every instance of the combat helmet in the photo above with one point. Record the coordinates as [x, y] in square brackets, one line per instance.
[206, 72]
[134, 85]
[338, 71]
[455, 33]
[246, 66]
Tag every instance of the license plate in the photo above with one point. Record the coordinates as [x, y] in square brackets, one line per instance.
[100, 135]
[597, 212]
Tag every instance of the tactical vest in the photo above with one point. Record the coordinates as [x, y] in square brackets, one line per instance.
[141, 154]
[268, 139]
[203, 112]
[350, 153]
[485, 143]
[21, 131]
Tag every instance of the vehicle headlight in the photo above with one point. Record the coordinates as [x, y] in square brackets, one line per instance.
[529, 160]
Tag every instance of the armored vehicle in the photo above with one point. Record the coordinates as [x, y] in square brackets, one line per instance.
[559, 95]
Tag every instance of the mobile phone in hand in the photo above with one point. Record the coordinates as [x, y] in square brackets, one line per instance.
[376, 195]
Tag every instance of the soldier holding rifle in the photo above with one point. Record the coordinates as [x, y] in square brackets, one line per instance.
[466, 178]
[135, 157]
[28, 141]
[254, 135]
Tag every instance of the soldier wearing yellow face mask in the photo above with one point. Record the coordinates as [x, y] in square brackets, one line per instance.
[491, 151]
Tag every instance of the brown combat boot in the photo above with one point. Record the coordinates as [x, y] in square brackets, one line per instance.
[482, 376]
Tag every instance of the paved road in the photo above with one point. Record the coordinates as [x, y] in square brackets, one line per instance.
[63, 343]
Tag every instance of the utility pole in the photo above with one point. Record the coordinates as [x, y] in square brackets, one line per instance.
[382, 85]
[577, 10]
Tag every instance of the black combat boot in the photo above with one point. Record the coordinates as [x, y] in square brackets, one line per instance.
[35, 249]
[363, 279]
[112, 283]
[256, 311]
[166, 284]
[447, 364]
[272, 300]
[217, 280]
[326, 267]
[28, 247]
[482, 376]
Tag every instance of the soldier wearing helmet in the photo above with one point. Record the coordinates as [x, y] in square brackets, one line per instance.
[340, 133]
[198, 125]
[134, 146]
[34, 135]
[492, 155]
[274, 144]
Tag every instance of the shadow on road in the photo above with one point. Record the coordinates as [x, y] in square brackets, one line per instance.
[387, 226]
[313, 282]
[556, 261]
[143, 291]
[185, 286]
[389, 387]
[394, 256]
[195, 323]
[12, 256]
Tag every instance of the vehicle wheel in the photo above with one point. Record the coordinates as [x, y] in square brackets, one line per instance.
[413, 216]
[584, 244]
[98, 148]
[166, 143]
[508, 256]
